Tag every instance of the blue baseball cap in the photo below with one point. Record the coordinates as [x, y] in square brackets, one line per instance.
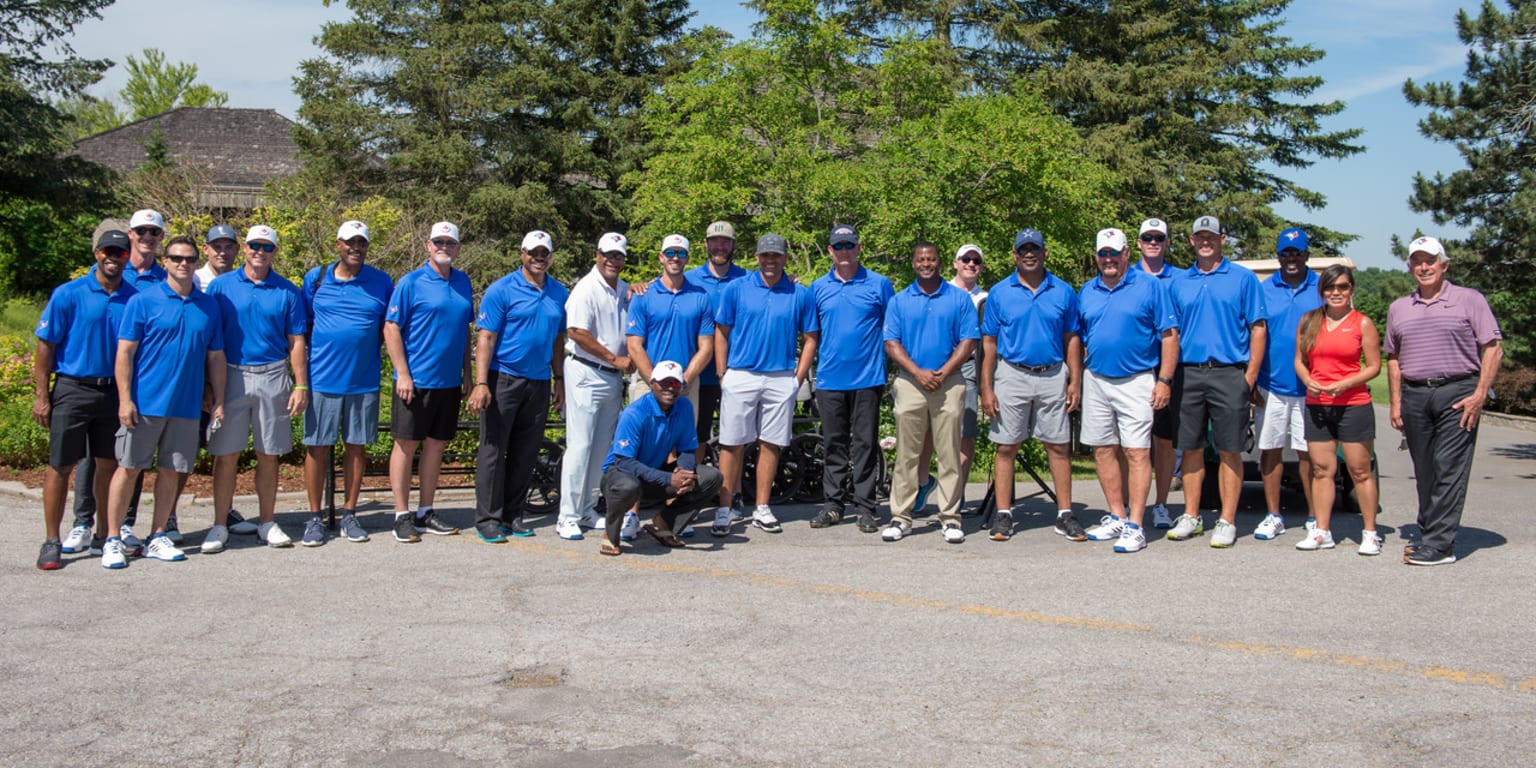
[221, 232]
[1028, 236]
[1291, 238]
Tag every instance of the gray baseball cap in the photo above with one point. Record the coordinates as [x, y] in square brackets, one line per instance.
[771, 243]
[221, 232]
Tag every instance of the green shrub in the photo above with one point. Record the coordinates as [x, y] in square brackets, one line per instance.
[23, 443]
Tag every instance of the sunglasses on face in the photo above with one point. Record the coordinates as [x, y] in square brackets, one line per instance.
[1108, 254]
[181, 259]
[262, 247]
[675, 254]
[1028, 248]
[147, 231]
[844, 246]
[1291, 253]
[445, 243]
[538, 253]
[114, 253]
[970, 260]
[1153, 238]
[1339, 288]
[669, 384]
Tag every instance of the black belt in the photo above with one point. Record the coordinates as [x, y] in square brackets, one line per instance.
[89, 380]
[594, 364]
[1032, 368]
[1440, 382]
[1213, 364]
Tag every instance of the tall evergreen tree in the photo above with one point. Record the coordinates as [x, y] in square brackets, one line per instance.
[1491, 119]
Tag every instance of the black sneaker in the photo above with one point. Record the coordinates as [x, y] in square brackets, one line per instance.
[1422, 555]
[431, 523]
[172, 530]
[48, 558]
[827, 519]
[517, 528]
[405, 529]
[868, 523]
[96, 544]
[1002, 526]
[1068, 526]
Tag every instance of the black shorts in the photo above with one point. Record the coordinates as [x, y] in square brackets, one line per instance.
[1216, 396]
[84, 421]
[431, 413]
[1341, 423]
[708, 405]
[1165, 420]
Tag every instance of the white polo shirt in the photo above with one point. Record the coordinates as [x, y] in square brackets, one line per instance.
[600, 310]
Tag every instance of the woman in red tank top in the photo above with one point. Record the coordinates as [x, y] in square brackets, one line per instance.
[1330, 345]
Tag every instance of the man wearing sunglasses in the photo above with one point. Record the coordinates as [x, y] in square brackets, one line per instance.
[655, 426]
[719, 269]
[850, 378]
[77, 345]
[426, 332]
[146, 228]
[345, 302]
[1031, 377]
[1155, 246]
[264, 320]
[672, 320]
[597, 358]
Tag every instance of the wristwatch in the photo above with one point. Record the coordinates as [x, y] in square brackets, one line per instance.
[1165, 380]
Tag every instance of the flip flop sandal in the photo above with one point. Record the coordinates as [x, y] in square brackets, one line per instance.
[665, 537]
[610, 550]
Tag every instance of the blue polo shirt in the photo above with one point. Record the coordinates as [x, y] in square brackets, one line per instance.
[671, 322]
[714, 286]
[1284, 307]
[648, 435]
[81, 322]
[765, 322]
[1122, 328]
[175, 335]
[1215, 311]
[1031, 326]
[433, 315]
[347, 322]
[526, 320]
[851, 356]
[258, 317]
[141, 280]
[1170, 272]
[930, 325]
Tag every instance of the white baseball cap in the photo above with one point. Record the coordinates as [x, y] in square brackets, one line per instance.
[146, 218]
[1206, 224]
[1111, 238]
[351, 229]
[444, 229]
[538, 239]
[261, 232]
[1429, 245]
[674, 242]
[1154, 225]
[667, 369]
[967, 248]
[612, 241]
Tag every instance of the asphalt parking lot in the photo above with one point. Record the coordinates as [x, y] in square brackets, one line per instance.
[811, 647]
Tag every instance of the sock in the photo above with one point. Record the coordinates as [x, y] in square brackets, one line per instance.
[399, 513]
[421, 514]
[1063, 512]
[1132, 526]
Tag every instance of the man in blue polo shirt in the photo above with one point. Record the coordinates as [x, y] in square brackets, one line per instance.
[656, 425]
[930, 332]
[1280, 398]
[760, 318]
[1031, 377]
[521, 336]
[1155, 247]
[718, 270]
[850, 378]
[673, 320]
[146, 228]
[77, 344]
[264, 319]
[346, 302]
[170, 336]
[1130, 331]
[427, 333]
[1221, 324]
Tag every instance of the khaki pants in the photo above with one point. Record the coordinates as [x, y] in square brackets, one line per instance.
[916, 411]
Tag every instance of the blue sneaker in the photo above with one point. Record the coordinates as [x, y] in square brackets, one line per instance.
[314, 532]
[352, 529]
[922, 494]
[496, 538]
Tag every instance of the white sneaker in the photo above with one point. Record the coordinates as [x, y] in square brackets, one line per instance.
[1109, 528]
[1223, 535]
[78, 540]
[161, 548]
[895, 531]
[131, 544]
[1160, 517]
[214, 542]
[1131, 539]
[1186, 527]
[593, 521]
[569, 530]
[112, 554]
[631, 527]
[953, 534]
[1370, 543]
[1316, 539]
[1271, 526]
[763, 518]
[272, 535]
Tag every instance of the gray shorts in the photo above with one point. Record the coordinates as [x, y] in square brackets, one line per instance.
[355, 417]
[1030, 404]
[175, 439]
[968, 370]
[255, 400]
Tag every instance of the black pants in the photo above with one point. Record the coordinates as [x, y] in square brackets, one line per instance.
[1442, 457]
[850, 433]
[708, 405]
[85, 495]
[511, 431]
[622, 490]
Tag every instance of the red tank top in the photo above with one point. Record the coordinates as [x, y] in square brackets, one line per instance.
[1335, 356]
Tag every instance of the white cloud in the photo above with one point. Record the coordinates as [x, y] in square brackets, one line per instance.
[1437, 60]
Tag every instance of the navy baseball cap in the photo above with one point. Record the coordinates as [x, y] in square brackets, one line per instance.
[221, 232]
[843, 233]
[1291, 238]
[113, 238]
[771, 243]
[1028, 236]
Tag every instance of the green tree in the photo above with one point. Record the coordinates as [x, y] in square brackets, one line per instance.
[1490, 117]
[154, 86]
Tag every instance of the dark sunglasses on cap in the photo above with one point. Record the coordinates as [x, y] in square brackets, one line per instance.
[262, 247]
[969, 259]
[148, 231]
[1154, 237]
[844, 246]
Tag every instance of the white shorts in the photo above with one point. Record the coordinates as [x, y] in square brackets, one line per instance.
[756, 406]
[1117, 410]
[1278, 416]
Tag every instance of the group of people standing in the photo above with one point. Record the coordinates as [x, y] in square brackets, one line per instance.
[140, 365]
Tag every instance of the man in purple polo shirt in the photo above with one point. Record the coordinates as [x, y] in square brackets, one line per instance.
[1031, 377]
[169, 337]
[1155, 248]
[850, 378]
[1443, 349]
[77, 345]
[930, 332]
[718, 269]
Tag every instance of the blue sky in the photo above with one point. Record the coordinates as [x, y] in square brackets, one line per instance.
[1372, 46]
